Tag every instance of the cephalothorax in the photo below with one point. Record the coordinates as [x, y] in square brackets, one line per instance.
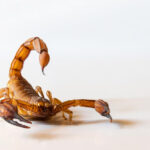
[19, 100]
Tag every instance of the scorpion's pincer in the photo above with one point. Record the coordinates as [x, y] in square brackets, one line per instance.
[103, 108]
[8, 112]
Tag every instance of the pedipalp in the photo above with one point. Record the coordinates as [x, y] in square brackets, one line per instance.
[9, 112]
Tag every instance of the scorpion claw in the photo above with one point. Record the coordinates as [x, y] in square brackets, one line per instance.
[9, 112]
[16, 123]
[103, 108]
[109, 116]
[22, 119]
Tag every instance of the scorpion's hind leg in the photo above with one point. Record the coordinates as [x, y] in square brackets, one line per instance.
[55, 102]
[9, 112]
[4, 93]
[100, 106]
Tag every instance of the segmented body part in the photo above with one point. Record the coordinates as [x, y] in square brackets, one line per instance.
[23, 52]
[30, 104]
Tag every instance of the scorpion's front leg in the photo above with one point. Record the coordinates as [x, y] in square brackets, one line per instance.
[9, 112]
[38, 90]
[55, 102]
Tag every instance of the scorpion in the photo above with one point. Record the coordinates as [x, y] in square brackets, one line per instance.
[20, 101]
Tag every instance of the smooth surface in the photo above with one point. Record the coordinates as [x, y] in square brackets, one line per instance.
[129, 130]
[98, 49]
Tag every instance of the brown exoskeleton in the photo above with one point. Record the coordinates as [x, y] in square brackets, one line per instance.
[21, 100]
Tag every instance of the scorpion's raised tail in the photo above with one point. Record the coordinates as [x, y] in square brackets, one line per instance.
[23, 52]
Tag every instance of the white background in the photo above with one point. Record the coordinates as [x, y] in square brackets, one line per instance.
[98, 49]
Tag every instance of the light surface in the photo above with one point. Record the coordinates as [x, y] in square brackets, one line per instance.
[98, 49]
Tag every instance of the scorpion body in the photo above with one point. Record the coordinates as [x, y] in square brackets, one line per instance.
[21, 100]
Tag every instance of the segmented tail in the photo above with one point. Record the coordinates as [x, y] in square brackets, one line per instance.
[23, 52]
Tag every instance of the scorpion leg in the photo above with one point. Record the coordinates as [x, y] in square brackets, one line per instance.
[4, 92]
[99, 105]
[9, 112]
[69, 112]
[38, 90]
[56, 101]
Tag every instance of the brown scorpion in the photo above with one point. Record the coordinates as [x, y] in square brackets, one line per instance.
[19, 100]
